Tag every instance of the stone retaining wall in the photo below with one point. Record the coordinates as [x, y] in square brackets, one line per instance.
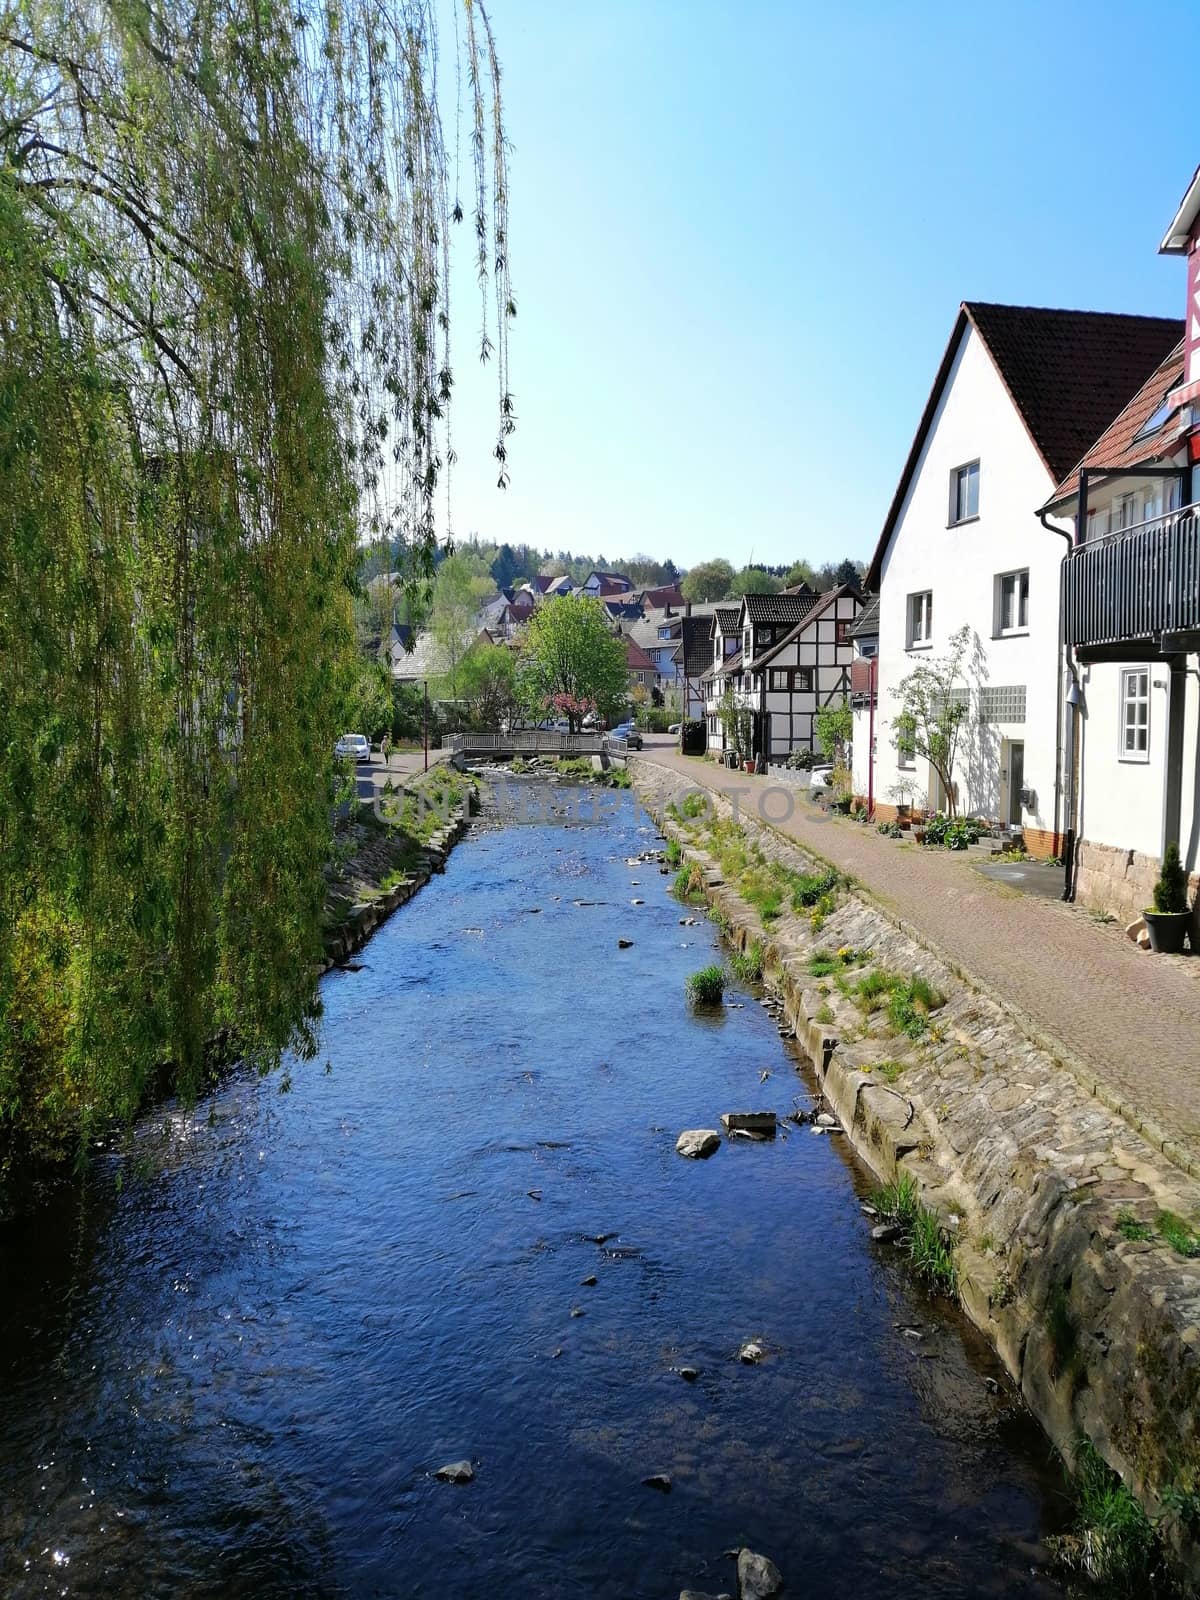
[1029, 1172]
[365, 917]
[1122, 882]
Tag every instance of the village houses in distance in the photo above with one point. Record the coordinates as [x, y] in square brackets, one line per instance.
[1044, 521]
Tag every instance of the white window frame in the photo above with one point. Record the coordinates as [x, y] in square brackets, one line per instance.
[918, 620]
[1009, 584]
[1127, 702]
[780, 688]
[960, 478]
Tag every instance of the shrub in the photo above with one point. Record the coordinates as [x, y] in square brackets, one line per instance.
[1113, 1541]
[1180, 1235]
[674, 855]
[1170, 889]
[802, 760]
[809, 887]
[689, 882]
[747, 965]
[695, 804]
[890, 830]
[707, 987]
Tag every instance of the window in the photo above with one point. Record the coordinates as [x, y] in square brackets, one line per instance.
[781, 678]
[802, 679]
[964, 493]
[1012, 602]
[840, 632]
[920, 618]
[1135, 714]
[906, 747]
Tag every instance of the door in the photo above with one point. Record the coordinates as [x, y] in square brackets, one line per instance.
[1014, 780]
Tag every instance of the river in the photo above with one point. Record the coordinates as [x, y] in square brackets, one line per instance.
[234, 1371]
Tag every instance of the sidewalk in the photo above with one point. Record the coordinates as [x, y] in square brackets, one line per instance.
[1125, 1021]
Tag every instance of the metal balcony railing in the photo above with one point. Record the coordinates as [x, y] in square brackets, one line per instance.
[1140, 583]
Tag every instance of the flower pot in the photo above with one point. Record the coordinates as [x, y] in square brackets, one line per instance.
[919, 835]
[1167, 930]
[748, 766]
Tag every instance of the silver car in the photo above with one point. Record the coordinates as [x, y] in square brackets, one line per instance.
[353, 747]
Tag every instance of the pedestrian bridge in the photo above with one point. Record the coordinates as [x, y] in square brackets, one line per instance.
[534, 742]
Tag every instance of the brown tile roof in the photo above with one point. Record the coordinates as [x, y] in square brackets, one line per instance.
[1116, 446]
[697, 634]
[866, 623]
[728, 617]
[779, 607]
[1068, 373]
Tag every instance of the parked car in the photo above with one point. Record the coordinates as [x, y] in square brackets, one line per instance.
[819, 779]
[676, 727]
[629, 733]
[354, 747]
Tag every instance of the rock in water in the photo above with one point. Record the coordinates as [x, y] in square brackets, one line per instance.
[658, 1480]
[752, 1352]
[456, 1472]
[698, 1142]
[689, 1374]
[824, 1120]
[624, 944]
[758, 1578]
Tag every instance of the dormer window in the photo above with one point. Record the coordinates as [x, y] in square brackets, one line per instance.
[964, 493]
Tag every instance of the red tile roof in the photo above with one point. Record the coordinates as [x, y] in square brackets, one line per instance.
[1067, 373]
[1116, 446]
[636, 658]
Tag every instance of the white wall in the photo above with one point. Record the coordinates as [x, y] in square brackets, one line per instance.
[976, 420]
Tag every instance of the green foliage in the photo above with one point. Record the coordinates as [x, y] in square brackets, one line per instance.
[453, 609]
[487, 681]
[708, 580]
[1113, 1542]
[933, 709]
[747, 965]
[689, 882]
[909, 1000]
[810, 887]
[222, 327]
[754, 580]
[1129, 1227]
[570, 658]
[802, 760]
[954, 833]
[929, 1246]
[1171, 886]
[1062, 1332]
[834, 726]
[368, 707]
[707, 986]
[1180, 1235]
[823, 962]
[673, 855]
[890, 830]
[695, 804]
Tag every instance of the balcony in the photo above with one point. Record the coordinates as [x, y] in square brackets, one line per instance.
[1136, 592]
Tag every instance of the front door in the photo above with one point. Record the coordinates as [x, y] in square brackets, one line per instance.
[1015, 781]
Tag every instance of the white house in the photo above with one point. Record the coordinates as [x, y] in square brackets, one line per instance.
[1020, 394]
[786, 683]
[864, 696]
[1131, 624]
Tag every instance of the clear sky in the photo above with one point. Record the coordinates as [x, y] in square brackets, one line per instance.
[740, 233]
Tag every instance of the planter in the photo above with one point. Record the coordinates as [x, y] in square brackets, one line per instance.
[748, 766]
[1167, 930]
[919, 835]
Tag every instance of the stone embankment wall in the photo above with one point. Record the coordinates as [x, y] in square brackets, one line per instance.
[374, 863]
[1030, 1173]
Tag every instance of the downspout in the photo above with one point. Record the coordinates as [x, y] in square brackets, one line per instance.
[1065, 803]
[871, 677]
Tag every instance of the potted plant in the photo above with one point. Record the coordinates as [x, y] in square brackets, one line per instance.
[1167, 920]
[901, 794]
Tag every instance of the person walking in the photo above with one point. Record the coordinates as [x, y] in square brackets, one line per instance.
[385, 749]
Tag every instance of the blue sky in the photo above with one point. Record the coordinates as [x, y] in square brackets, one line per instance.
[740, 233]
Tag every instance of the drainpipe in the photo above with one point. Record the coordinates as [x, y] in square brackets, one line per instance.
[1064, 773]
[871, 677]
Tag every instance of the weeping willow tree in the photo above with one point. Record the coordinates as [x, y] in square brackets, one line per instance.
[224, 356]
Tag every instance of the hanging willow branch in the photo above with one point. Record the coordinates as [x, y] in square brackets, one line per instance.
[224, 359]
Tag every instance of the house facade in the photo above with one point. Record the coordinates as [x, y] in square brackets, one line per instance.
[963, 552]
[864, 698]
[787, 682]
[1131, 624]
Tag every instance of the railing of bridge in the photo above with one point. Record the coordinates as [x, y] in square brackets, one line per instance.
[534, 742]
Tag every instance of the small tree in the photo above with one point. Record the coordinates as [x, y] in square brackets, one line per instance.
[834, 726]
[488, 681]
[738, 723]
[1170, 890]
[571, 659]
[933, 708]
